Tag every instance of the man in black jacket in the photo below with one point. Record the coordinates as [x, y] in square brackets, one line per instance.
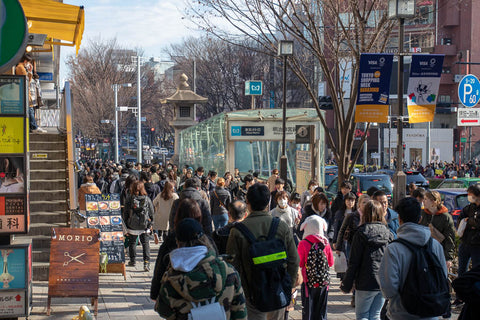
[191, 191]
[345, 188]
[236, 213]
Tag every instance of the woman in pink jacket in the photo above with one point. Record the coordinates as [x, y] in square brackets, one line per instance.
[315, 267]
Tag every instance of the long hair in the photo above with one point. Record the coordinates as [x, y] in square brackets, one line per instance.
[172, 175]
[138, 188]
[373, 212]
[187, 208]
[167, 192]
[349, 196]
[129, 182]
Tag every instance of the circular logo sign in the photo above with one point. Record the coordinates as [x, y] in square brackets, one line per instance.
[13, 33]
[469, 90]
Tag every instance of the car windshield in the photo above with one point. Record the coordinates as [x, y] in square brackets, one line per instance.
[451, 184]
[462, 201]
[382, 183]
[474, 182]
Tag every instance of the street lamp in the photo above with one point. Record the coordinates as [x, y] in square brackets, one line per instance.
[285, 49]
[400, 10]
[115, 88]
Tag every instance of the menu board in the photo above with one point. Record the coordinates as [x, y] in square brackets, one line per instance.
[103, 213]
[12, 95]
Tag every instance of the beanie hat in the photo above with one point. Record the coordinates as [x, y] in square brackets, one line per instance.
[188, 230]
[314, 225]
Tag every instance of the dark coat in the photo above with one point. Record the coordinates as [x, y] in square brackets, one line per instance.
[338, 202]
[347, 230]
[153, 190]
[220, 236]
[219, 200]
[192, 193]
[368, 246]
[328, 216]
[466, 288]
[471, 235]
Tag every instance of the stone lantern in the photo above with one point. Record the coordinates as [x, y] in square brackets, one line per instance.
[184, 101]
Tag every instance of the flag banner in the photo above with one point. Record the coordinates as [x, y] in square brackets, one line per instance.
[373, 87]
[425, 73]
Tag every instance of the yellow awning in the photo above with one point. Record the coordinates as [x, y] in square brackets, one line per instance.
[57, 20]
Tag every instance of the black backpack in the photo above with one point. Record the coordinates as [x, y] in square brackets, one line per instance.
[425, 292]
[316, 267]
[139, 218]
[271, 285]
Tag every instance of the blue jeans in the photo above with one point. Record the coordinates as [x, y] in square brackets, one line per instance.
[220, 220]
[465, 253]
[31, 118]
[368, 304]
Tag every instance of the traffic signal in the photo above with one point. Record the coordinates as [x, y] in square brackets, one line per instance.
[152, 129]
[404, 146]
[325, 102]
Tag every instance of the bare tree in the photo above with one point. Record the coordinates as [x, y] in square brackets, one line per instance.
[100, 65]
[332, 33]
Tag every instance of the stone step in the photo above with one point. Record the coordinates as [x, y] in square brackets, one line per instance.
[48, 195]
[47, 164]
[59, 217]
[54, 184]
[47, 174]
[52, 137]
[40, 241]
[49, 154]
[40, 270]
[41, 255]
[48, 206]
[46, 145]
[43, 228]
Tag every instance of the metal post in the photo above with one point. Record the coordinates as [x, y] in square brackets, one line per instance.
[469, 143]
[389, 141]
[399, 178]
[428, 144]
[139, 114]
[115, 90]
[283, 158]
[365, 151]
[382, 145]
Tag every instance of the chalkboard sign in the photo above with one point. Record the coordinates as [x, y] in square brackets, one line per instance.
[103, 213]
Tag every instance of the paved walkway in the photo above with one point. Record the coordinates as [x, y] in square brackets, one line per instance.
[128, 300]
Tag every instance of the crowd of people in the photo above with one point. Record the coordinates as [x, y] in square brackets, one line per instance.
[213, 233]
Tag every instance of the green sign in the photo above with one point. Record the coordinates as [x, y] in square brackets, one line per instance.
[13, 33]
[463, 139]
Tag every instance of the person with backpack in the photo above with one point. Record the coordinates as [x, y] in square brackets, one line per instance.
[368, 246]
[196, 275]
[413, 270]
[318, 206]
[265, 255]
[316, 258]
[219, 201]
[138, 218]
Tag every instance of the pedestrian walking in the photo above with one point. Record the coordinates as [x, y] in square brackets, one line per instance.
[319, 206]
[88, 187]
[219, 201]
[237, 211]
[163, 204]
[390, 215]
[469, 249]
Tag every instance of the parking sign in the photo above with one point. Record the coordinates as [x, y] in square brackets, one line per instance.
[469, 90]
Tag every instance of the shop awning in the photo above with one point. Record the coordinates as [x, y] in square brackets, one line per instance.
[59, 21]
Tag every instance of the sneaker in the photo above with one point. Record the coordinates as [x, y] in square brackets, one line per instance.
[39, 130]
[457, 303]
[155, 236]
[131, 263]
[146, 266]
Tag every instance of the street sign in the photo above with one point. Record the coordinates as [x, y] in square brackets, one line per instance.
[469, 90]
[122, 109]
[468, 117]
[253, 88]
[104, 121]
[143, 119]
[463, 140]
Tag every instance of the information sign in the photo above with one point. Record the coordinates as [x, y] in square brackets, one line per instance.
[469, 90]
[253, 88]
[12, 95]
[468, 117]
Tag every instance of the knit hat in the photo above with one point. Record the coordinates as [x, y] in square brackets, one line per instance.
[188, 230]
[314, 224]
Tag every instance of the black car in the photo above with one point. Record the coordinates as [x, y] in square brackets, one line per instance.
[412, 176]
[361, 182]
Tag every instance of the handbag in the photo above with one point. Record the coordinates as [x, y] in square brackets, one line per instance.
[340, 263]
[220, 201]
[437, 235]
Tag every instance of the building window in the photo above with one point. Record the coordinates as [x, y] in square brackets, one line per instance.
[184, 112]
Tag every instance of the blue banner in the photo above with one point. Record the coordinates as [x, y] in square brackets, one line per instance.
[373, 87]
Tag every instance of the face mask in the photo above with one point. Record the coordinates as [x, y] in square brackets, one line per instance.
[471, 199]
[282, 203]
[312, 188]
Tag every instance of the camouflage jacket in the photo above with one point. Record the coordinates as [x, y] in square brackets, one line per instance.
[211, 277]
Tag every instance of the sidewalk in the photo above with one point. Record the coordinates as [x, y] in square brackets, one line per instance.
[126, 300]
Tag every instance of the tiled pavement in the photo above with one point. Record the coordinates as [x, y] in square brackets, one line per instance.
[128, 300]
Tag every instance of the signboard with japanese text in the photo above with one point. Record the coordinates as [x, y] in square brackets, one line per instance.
[303, 163]
[373, 87]
[423, 84]
[74, 261]
[267, 131]
[103, 213]
[12, 95]
[468, 117]
[12, 131]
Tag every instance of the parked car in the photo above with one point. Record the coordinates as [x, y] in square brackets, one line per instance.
[361, 182]
[330, 174]
[455, 199]
[458, 183]
[412, 176]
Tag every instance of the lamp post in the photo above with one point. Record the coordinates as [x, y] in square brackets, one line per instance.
[285, 49]
[115, 88]
[400, 10]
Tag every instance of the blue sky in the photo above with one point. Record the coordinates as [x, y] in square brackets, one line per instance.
[149, 24]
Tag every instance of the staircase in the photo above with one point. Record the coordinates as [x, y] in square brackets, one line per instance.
[48, 195]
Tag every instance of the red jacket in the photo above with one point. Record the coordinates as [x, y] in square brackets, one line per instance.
[304, 247]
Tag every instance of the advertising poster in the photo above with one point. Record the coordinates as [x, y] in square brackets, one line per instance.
[13, 212]
[425, 73]
[12, 264]
[12, 95]
[12, 303]
[373, 87]
[11, 134]
[12, 175]
[103, 213]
